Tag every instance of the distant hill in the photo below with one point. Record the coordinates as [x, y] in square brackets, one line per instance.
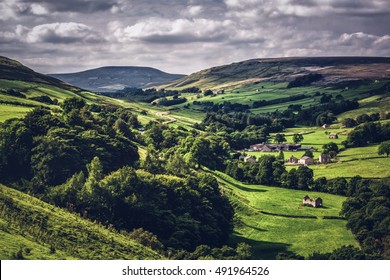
[113, 78]
[22, 89]
[331, 70]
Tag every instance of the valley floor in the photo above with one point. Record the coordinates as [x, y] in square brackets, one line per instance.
[272, 220]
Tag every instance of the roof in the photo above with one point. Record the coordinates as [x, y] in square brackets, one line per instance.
[306, 157]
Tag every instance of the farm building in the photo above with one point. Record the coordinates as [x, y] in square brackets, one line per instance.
[324, 158]
[333, 136]
[312, 202]
[306, 160]
[292, 159]
[256, 147]
[250, 159]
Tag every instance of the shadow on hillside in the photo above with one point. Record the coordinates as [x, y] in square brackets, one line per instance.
[262, 250]
[241, 187]
[253, 227]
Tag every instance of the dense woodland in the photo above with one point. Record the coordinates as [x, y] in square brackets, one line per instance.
[85, 159]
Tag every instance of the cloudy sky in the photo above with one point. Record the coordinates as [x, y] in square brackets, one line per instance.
[184, 36]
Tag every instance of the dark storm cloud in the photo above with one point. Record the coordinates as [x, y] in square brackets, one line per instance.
[77, 6]
[202, 33]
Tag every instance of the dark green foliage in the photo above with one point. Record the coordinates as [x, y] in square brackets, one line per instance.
[330, 148]
[279, 138]
[183, 213]
[43, 99]
[368, 133]
[191, 90]
[305, 80]
[208, 92]
[368, 215]
[297, 138]
[72, 103]
[16, 142]
[169, 102]
[342, 253]
[348, 122]
[243, 251]
[384, 148]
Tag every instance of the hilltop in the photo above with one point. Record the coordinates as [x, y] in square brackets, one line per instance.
[113, 78]
[330, 71]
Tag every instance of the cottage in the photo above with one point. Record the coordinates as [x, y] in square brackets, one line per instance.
[324, 158]
[312, 202]
[269, 148]
[292, 159]
[250, 159]
[333, 136]
[325, 125]
[306, 160]
[241, 157]
[256, 147]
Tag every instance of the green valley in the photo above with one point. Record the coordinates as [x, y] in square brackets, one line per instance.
[212, 166]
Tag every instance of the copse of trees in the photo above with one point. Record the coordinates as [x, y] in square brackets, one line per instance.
[368, 214]
[47, 149]
[368, 133]
[182, 212]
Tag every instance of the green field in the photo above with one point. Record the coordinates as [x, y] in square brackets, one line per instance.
[363, 161]
[264, 219]
[43, 231]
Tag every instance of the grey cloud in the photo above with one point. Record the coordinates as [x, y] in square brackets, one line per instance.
[202, 33]
[77, 6]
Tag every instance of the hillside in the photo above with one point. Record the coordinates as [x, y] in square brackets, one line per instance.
[32, 229]
[14, 70]
[113, 78]
[22, 89]
[273, 220]
[333, 71]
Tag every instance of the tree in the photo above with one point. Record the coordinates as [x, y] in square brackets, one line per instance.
[348, 122]
[16, 142]
[279, 138]
[208, 92]
[330, 147]
[384, 148]
[308, 153]
[297, 138]
[72, 103]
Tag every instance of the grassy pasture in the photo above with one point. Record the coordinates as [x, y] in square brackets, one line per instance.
[362, 161]
[12, 111]
[266, 218]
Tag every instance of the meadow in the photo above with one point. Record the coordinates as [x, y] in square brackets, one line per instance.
[272, 220]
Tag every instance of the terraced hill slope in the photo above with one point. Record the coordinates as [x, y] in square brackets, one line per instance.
[331, 70]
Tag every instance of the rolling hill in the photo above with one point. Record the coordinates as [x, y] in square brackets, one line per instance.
[330, 71]
[13, 70]
[113, 78]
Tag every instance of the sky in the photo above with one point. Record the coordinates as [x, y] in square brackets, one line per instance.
[185, 36]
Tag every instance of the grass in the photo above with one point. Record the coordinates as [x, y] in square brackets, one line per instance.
[36, 228]
[12, 111]
[265, 219]
[362, 161]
